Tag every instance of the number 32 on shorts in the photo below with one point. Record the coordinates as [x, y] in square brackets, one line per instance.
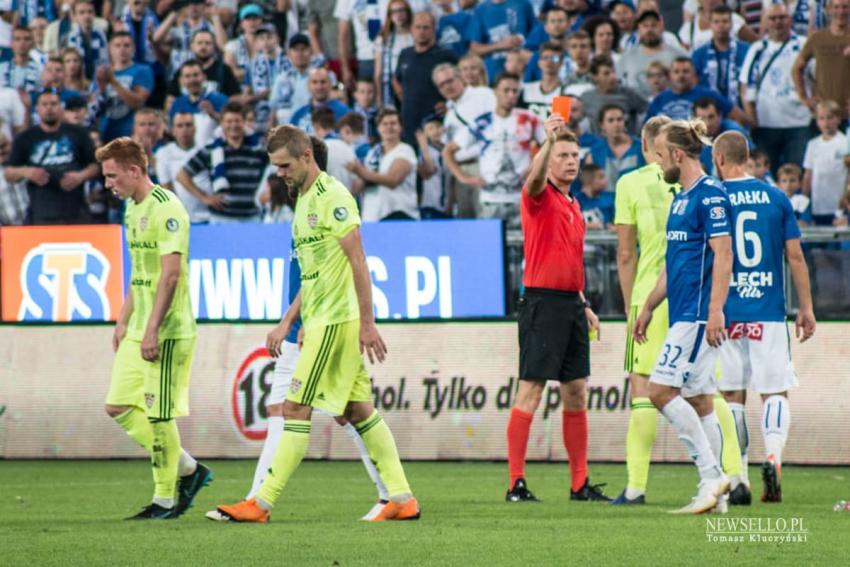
[670, 355]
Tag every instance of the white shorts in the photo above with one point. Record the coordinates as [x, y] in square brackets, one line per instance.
[686, 361]
[757, 356]
[284, 367]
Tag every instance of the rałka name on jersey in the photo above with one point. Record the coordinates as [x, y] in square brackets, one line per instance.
[749, 198]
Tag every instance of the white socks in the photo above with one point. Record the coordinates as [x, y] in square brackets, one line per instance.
[775, 423]
[740, 415]
[367, 462]
[273, 435]
[686, 422]
[712, 430]
[186, 465]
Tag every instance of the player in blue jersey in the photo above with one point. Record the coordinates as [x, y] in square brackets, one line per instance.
[757, 353]
[286, 349]
[695, 282]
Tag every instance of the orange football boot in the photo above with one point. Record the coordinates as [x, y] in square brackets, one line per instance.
[245, 511]
[395, 511]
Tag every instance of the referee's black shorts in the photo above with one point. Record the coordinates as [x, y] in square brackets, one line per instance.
[553, 336]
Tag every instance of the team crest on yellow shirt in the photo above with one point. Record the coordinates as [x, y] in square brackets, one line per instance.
[149, 400]
[312, 220]
[295, 386]
[143, 224]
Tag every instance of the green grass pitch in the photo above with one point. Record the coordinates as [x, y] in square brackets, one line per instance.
[70, 513]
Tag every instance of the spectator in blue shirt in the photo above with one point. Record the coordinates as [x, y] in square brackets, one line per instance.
[718, 62]
[677, 102]
[618, 153]
[499, 26]
[203, 105]
[122, 88]
[453, 27]
[319, 85]
[576, 11]
[597, 204]
[556, 25]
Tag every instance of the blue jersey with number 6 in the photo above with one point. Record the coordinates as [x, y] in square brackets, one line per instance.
[763, 219]
[696, 215]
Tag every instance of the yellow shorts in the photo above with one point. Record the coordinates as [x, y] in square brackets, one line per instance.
[641, 359]
[330, 371]
[161, 387]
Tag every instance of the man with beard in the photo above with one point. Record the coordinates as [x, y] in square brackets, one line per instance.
[651, 47]
[698, 267]
[55, 159]
[219, 77]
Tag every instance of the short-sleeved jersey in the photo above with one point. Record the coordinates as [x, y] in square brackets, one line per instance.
[763, 219]
[324, 215]
[157, 226]
[643, 200]
[696, 215]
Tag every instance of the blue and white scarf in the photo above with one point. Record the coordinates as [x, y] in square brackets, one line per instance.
[724, 83]
[372, 11]
[98, 51]
[220, 182]
[149, 24]
[374, 157]
[25, 77]
[182, 51]
[32, 9]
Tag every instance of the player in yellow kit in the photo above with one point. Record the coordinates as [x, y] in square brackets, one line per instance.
[339, 324]
[154, 337]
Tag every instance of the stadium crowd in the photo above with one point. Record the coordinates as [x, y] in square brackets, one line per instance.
[429, 109]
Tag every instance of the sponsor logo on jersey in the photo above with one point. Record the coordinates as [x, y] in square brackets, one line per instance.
[749, 284]
[172, 225]
[679, 207]
[340, 213]
[752, 331]
[718, 213]
[712, 200]
[677, 235]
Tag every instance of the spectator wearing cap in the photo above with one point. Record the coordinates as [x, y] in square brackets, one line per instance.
[89, 40]
[677, 102]
[418, 94]
[388, 176]
[339, 152]
[625, 13]
[358, 22]
[289, 90]
[122, 88]
[55, 159]
[236, 168]
[504, 138]
[830, 48]
[239, 51]
[453, 25]
[651, 47]
[499, 26]
[174, 35]
[202, 105]
[76, 111]
[556, 24]
[719, 61]
[218, 76]
[463, 105]
[319, 85]
[782, 119]
[618, 153]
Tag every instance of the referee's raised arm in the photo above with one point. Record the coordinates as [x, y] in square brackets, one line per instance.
[536, 182]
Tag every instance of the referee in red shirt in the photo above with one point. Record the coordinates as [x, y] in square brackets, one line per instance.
[554, 318]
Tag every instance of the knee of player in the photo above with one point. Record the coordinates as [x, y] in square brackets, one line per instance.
[529, 395]
[292, 410]
[274, 410]
[574, 394]
[660, 396]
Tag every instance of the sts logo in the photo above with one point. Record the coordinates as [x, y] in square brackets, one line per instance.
[61, 273]
[64, 282]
